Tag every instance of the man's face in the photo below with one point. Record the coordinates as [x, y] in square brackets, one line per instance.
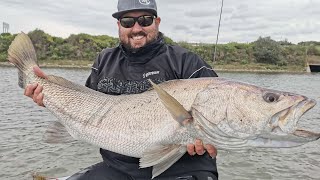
[138, 36]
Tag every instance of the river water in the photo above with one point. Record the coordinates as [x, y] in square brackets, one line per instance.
[23, 152]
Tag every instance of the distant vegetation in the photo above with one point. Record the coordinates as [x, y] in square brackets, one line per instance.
[264, 52]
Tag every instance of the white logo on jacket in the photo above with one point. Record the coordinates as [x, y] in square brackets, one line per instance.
[144, 2]
[145, 75]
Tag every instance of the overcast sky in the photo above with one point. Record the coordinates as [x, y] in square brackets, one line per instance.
[182, 20]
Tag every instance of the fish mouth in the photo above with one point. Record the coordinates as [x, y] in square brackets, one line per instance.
[284, 124]
[287, 119]
[284, 132]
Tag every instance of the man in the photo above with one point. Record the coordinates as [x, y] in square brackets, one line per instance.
[142, 55]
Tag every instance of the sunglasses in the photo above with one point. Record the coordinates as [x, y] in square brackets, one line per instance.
[144, 21]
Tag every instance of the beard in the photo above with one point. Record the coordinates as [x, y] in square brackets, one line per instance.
[128, 40]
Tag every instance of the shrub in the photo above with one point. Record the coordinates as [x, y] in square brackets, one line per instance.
[267, 51]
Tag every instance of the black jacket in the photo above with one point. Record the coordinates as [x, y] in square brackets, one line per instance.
[117, 71]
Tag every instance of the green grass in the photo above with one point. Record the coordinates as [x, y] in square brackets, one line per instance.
[258, 67]
[249, 67]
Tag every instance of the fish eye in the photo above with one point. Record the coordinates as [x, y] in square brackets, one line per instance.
[271, 97]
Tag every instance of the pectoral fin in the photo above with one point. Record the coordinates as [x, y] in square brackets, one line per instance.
[57, 133]
[178, 112]
[161, 157]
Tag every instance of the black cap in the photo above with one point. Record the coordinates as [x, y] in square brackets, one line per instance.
[125, 6]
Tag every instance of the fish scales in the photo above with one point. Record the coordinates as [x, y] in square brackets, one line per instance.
[130, 123]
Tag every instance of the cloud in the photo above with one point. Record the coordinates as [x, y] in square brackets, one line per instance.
[182, 20]
[206, 26]
[180, 27]
[195, 14]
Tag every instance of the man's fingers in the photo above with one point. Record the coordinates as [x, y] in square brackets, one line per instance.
[29, 89]
[211, 150]
[199, 147]
[39, 72]
[36, 93]
[190, 149]
[39, 99]
[38, 90]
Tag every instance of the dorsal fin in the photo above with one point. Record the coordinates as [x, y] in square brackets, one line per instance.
[177, 111]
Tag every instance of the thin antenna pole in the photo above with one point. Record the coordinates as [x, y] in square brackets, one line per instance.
[215, 47]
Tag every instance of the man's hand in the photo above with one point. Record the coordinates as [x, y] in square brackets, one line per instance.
[34, 91]
[199, 148]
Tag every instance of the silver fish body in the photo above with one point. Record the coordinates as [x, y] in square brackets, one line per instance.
[156, 125]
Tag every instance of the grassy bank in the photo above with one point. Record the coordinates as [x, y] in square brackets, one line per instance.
[257, 67]
[233, 67]
[59, 64]
[262, 55]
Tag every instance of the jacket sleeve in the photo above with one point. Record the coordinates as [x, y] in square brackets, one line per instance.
[195, 67]
[92, 81]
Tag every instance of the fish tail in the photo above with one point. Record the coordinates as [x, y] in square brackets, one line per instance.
[22, 54]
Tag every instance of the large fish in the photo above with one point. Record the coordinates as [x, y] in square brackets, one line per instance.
[156, 125]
